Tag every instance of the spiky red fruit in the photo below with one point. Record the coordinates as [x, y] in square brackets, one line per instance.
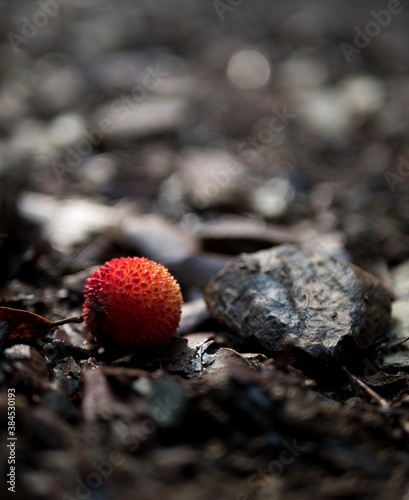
[132, 303]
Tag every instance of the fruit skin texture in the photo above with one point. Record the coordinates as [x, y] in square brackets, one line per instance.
[132, 303]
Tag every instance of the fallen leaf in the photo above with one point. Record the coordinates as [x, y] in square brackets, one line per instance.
[20, 325]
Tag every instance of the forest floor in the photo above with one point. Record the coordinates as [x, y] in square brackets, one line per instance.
[191, 133]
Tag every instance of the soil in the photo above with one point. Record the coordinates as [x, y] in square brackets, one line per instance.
[191, 133]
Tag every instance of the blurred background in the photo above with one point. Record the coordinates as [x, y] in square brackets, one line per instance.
[189, 132]
[283, 113]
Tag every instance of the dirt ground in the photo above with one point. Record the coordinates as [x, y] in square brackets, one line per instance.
[189, 133]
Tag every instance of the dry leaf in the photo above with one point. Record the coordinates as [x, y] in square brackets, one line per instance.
[21, 326]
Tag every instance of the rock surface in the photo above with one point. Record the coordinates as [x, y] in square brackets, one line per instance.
[300, 302]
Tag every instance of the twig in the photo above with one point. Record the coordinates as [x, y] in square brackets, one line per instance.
[398, 343]
[77, 319]
[374, 395]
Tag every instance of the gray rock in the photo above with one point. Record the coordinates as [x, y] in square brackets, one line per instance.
[300, 302]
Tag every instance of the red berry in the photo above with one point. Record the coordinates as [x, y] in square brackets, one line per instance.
[132, 303]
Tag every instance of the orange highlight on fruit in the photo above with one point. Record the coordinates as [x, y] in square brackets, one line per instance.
[132, 303]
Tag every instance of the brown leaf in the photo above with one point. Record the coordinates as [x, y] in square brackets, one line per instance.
[20, 325]
[17, 325]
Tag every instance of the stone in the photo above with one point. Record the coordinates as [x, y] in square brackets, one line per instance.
[300, 302]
